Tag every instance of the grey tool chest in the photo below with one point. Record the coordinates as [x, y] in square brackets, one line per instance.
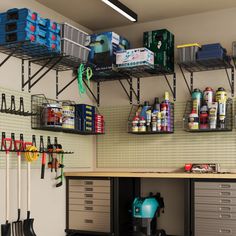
[89, 204]
[214, 208]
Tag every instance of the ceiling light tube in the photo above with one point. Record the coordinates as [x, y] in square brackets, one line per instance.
[122, 9]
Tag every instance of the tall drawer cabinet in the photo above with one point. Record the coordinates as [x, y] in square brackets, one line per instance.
[214, 208]
[99, 206]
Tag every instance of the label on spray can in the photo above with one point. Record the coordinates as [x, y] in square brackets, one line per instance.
[197, 99]
[221, 98]
[208, 95]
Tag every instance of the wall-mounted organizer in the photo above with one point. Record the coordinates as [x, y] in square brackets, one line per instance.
[190, 124]
[65, 116]
[209, 58]
[155, 119]
[12, 109]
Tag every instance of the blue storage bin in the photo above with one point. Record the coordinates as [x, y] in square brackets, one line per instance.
[19, 36]
[18, 14]
[213, 54]
[53, 26]
[213, 46]
[18, 26]
[53, 36]
[42, 22]
[53, 46]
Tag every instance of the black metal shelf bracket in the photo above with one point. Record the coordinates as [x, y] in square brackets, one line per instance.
[11, 54]
[48, 64]
[230, 78]
[131, 91]
[172, 88]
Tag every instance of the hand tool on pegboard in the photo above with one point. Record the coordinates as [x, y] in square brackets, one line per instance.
[7, 146]
[42, 150]
[31, 155]
[17, 226]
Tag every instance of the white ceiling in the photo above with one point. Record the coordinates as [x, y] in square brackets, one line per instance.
[96, 15]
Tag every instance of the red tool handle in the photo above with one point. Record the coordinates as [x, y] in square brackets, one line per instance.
[6, 147]
[27, 144]
[43, 165]
[19, 146]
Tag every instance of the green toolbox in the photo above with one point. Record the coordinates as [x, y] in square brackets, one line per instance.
[161, 42]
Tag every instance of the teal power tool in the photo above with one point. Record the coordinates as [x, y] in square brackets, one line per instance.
[145, 211]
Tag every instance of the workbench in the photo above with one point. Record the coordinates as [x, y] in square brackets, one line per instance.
[98, 203]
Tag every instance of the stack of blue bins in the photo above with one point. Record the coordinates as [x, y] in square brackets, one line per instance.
[85, 117]
[23, 25]
[211, 52]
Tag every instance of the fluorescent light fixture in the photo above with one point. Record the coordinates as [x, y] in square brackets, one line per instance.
[122, 9]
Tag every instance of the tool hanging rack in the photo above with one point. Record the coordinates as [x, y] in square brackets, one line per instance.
[207, 65]
[48, 61]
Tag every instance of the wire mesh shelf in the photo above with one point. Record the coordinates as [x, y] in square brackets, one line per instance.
[228, 120]
[41, 55]
[169, 129]
[124, 73]
[39, 103]
[206, 65]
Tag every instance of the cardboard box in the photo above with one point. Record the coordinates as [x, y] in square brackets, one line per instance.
[161, 42]
[135, 57]
[103, 49]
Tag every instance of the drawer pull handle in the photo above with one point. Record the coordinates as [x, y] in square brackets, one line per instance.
[224, 208]
[88, 195]
[88, 202]
[225, 216]
[225, 186]
[225, 231]
[88, 182]
[88, 208]
[225, 201]
[88, 221]
[89, 189]
[225, 193]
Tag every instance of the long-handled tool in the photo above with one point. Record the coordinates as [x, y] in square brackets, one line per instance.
[30, 155]
[17, 226]
[6, 228]
[42, 150]
[61, 177]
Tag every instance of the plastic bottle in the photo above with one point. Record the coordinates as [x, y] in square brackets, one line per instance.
[193, 120]
[145, 107]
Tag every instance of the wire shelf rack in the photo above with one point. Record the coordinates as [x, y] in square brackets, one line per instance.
[228, 119]
[132, 114]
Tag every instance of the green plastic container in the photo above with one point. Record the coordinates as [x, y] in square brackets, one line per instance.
[161, 42]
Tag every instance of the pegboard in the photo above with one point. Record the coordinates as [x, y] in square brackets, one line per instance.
[118, 149]
[82, 146]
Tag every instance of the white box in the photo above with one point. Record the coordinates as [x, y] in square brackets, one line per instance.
[135, 57]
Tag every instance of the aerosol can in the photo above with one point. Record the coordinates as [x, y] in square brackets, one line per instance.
[193, 120]
[208, 95]
[197, 100]
[165, 113]
[221, 98]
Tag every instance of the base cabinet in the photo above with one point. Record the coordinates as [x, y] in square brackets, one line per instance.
[214, 208]
[99, 206]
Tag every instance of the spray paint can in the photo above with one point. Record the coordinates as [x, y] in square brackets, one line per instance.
[197, 100]
[221, 98]
[204, 117]
[165, 113]
[159, 121]
[208, 95]
[193, 120]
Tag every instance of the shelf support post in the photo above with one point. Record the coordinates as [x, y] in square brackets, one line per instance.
[190, 88]
[57, 81]
[22, 74]
[138, 90]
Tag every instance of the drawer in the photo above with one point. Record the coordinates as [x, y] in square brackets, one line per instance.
[89, 221]
[215, 201]
[89, 202]
[225, 216]
[101, 196]
[85, 189]
[89, 208]
[214, 208]
[215, 185]
[204, 227]
[215, 193]
[89, 182]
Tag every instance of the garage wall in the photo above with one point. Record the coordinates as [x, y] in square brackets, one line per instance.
[48, 207]
[168, 151]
